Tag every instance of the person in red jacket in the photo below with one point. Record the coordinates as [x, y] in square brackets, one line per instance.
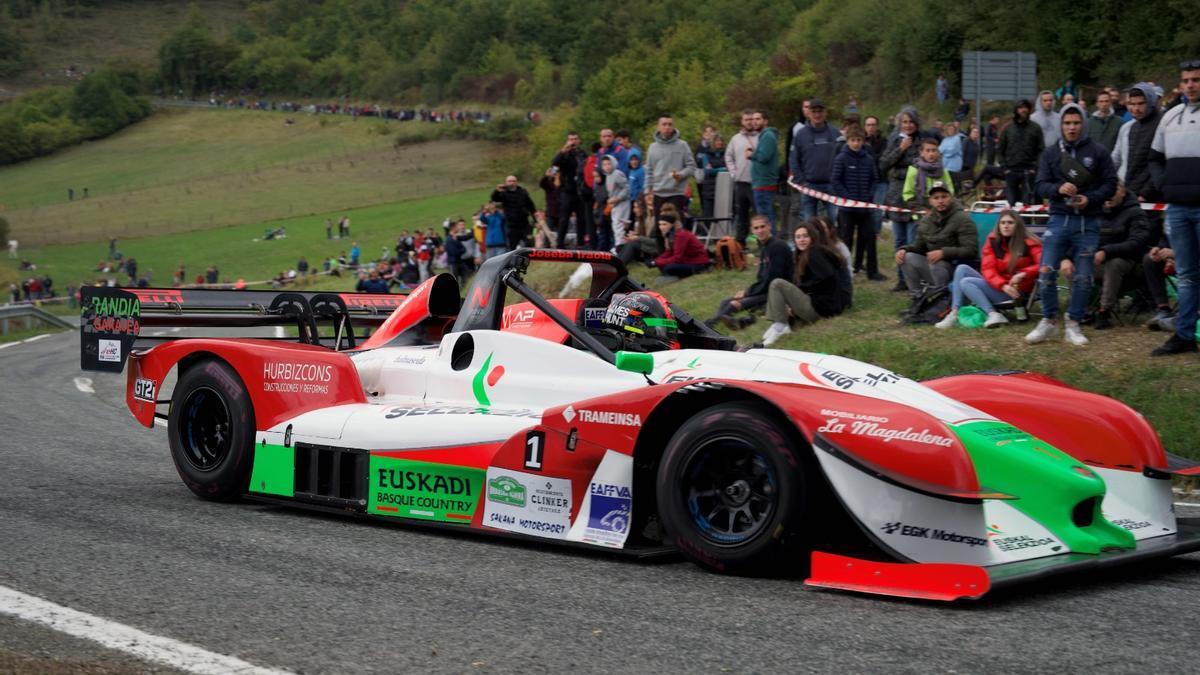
[1009, 271]
[683, 254]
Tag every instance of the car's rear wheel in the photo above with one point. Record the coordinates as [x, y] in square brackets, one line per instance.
[211, 431]
[733, 489]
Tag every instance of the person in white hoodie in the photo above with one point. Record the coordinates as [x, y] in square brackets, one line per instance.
[739, 170]
[617, 186]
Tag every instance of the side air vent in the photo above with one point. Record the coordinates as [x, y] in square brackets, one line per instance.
[1084, 512]
[331, 476]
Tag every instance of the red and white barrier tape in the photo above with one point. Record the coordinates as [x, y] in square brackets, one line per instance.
[858, 204]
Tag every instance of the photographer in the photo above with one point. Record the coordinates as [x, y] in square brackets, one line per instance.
[517, 206]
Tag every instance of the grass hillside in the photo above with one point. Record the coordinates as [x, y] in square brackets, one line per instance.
[188, 170]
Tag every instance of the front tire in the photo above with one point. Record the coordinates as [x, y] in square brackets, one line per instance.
[733, 490]
[211, 431]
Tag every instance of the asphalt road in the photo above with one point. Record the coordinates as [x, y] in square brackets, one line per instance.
[94, 517]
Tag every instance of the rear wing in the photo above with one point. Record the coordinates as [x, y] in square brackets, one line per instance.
[112, 318]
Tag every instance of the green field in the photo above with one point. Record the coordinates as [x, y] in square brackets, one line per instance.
[189, 170]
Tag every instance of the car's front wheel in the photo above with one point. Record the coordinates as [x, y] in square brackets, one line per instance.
[211, 431]
[733, 490]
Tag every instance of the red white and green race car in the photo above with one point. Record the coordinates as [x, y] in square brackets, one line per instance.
[618, 421]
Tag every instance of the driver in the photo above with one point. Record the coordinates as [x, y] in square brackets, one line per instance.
[643, 321]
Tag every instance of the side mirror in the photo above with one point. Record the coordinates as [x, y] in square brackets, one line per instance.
[635, 362]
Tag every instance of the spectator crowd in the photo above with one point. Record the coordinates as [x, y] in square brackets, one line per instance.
[1114, 178]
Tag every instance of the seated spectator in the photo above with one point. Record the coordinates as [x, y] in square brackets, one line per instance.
[945, 237]
[1009, 271]
[774, 262]
[302, 265]
[374, 283]
[1125, 237]
[1157, 265]
[814, 291]
[643, 241]
[683, 254]
[834, 242]
[926, 170]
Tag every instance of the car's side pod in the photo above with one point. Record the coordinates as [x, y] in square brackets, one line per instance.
[282, 379]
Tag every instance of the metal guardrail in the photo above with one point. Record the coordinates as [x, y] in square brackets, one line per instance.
[23, 317]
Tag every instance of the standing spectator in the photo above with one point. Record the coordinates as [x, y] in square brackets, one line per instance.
[991, 140]
[550, 192]
[971, 152]
[876, 143]
[355, 254]
[1125, 236]
[496, 233]
[942, 89]
[1077, 177]
[811, 161]
[901, 151]
[637, 177]
[211, 274]
[951, 148]
[626, 141]
[456, 254]
[1175, 161]
[329, 228]
[112, 248]
[13, 245]
[570, 162]
[737, 162]
[1021, 143]
[854, 177]
[302, 266]
[683, 254]
[711, 160]
[617, 208]
[805, 109]
[517, 206]
[344, 227]
[774, 262]
[669, 166]
[1134, 148]
[1046, 118]
[925, 171]
[1104, 125]
[764, 167]
[945, 238]
[609, 145]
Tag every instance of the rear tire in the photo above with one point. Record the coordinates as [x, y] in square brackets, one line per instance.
[211, 431]
[733, 490]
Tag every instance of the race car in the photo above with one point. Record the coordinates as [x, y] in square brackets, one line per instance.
[617, 421]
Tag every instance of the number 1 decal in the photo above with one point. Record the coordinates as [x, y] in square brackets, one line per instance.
[535, 448]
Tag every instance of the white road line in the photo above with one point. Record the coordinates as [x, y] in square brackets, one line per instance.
[1193, 504]
[279, 332]
[176, 329]
[159, 332]
[84, 384]
[6, 345]
[153, 648]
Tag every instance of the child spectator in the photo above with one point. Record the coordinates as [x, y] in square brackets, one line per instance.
[924, 172]
[1008, 271]
[854, 177]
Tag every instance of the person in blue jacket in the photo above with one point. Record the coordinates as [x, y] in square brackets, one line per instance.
[855, 177]
[1076, 175]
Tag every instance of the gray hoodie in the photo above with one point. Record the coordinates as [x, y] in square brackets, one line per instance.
[665, 156]
[1048, 121]
[735, 156]
[615, 181]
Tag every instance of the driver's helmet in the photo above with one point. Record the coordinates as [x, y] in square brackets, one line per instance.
[644, 320]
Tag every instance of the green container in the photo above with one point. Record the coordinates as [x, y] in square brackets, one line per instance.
[971, 316]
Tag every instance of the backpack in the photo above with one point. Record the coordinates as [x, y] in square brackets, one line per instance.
[729, 254]
[931, 306]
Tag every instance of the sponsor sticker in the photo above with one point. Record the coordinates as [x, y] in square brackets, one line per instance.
[835, 425]
[527, 503]
[602, 417]
[608, 520]
[143, 389]
[423, 490]
[297, 378]
[433, 411]
[109, 351]
[899, 528]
